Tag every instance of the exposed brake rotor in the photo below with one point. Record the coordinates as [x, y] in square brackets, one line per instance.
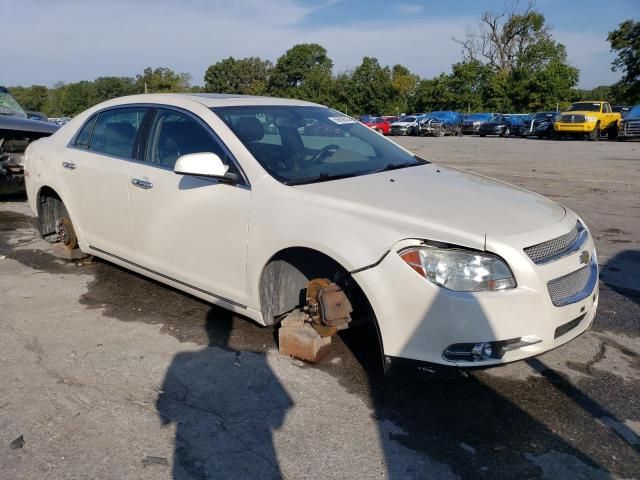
[66, 233]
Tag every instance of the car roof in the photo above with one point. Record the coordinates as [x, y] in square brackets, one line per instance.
[210, 100]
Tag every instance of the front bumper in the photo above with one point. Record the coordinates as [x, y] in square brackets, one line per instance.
[574, 127]
[491, 131]
[419, 321]
[630, 130]
[469, 128]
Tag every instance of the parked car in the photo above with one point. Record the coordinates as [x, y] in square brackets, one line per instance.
[629, 126]
[471, 122]
[185, 189]
[621, 109]
[520, 124]
[541, 125]
[379, 124]
[502, 125]
[17, 131]
[408, 125]
[31, 115]
[588, 118]
[366, 117]
[439, 124]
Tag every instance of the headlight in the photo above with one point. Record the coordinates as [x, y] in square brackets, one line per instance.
[459, 270]
[591, 119]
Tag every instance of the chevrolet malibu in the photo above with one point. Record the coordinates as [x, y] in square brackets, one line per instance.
[223, 197]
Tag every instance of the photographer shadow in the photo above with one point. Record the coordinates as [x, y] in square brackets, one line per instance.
[225, 405]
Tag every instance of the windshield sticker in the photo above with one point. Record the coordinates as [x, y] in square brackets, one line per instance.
[342, 120]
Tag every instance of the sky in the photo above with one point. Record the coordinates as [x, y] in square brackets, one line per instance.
[43, 42]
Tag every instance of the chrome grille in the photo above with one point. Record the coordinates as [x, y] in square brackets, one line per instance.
[632, 128]
[573, 118]
[565, 290]
[542, 252]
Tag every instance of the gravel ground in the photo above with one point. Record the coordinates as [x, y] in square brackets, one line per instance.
[106, 374]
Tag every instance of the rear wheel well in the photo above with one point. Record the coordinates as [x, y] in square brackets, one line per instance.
[50, 210]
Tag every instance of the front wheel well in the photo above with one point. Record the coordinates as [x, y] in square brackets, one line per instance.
[285, 277]
[50, 210]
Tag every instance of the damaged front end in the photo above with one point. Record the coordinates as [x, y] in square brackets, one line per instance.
[16, 133]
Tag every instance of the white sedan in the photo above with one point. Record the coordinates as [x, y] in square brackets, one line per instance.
[223, 197]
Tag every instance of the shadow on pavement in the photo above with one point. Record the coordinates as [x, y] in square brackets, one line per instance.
[480, 426]
[622, 274]
[224, 413]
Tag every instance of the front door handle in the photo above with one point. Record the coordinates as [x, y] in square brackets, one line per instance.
[69, 165]
[140, 183]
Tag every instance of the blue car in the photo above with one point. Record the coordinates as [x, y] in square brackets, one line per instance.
[439, 124]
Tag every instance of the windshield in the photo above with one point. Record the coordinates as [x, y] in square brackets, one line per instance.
[407, 119]
[584, 107]
[294, 150]
[542, 116]
[9, 105]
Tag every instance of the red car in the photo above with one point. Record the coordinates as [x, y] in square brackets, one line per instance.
[380, 124]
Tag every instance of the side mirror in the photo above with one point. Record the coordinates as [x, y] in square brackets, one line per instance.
[204, 164]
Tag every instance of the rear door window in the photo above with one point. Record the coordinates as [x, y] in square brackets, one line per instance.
[116, 130]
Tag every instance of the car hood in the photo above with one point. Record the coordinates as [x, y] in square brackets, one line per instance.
[438, 203]
[402, 124]
[13, 123]
[631, 119]
[588, 113]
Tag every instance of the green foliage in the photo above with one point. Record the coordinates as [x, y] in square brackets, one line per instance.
[247, 76]
[31, 98]
[371, 87]
[72, 98]
[162, 80]
[625, 41]
[305, 72]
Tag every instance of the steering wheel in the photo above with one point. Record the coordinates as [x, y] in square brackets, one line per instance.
[319, 157]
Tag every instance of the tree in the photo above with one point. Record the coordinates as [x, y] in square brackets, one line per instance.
[77, 97]
[304, 71]
[468, 84]
[341, 98]
[625, 41]
[31, 98]
[106, 88]
[247, 76]
[404, 84]
[371, 87]
[161, 80]
[527, 68]
[502, 39]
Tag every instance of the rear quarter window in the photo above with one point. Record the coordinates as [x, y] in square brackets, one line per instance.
[84, 135]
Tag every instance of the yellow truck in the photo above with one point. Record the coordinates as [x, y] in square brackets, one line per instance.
[590, 118]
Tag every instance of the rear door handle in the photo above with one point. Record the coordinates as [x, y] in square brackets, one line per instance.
[69, 165]
[140, 183]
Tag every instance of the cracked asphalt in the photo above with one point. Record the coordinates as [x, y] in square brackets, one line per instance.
[106, 374]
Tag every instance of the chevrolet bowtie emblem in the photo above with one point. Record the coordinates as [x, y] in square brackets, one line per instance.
[584, 257]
